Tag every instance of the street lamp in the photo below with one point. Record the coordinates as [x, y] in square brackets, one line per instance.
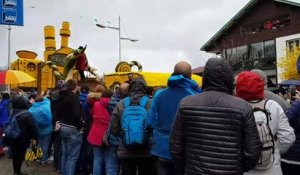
[9, 45]
[9, 40]
[120, 38]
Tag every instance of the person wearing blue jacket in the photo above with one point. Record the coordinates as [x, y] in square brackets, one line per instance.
[163, 111]
[4, 116]
[42, 117]
[290, 161]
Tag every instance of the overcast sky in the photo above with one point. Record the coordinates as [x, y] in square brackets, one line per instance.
[168, 30]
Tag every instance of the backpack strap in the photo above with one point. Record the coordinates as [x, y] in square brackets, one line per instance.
[269, 114]
[143, 101]
[126, 102]
[265, 104]
[268, 122]
[20, 113]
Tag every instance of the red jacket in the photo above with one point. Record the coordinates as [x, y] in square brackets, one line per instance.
[101, 119]
[81, 63]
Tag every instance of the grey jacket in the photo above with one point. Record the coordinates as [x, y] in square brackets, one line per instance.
[284, 135]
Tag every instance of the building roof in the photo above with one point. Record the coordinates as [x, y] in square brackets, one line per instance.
[250, 4]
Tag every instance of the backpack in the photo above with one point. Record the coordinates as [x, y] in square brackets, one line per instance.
[12, 130]
[134, 123]
[262, 118]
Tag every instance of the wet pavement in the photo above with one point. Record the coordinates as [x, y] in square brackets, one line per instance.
[34, 168]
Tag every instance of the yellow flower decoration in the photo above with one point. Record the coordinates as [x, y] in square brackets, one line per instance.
[288, 64]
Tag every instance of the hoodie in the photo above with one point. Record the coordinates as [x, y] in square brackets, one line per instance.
[163, 111]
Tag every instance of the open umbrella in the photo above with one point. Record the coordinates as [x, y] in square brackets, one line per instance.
[290, 82]
[14, 77]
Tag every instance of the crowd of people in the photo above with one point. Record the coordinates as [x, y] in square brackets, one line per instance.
[229, 126]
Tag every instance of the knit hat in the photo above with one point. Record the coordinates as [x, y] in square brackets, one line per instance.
[249, 86]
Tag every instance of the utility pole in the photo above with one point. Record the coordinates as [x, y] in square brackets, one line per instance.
[8, 55]
[119, 39]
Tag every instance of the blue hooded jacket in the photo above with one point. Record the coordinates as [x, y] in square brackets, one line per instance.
[163, 111]
[42, 116]
[4, 112]
[83, 100]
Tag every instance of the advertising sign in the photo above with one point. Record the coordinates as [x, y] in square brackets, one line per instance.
[11, 12]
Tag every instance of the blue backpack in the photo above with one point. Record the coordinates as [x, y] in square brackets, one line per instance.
[12, 130]
[134, 123]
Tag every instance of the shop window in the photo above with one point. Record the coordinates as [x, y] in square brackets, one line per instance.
[31, 67]
[242, 52]
[260, 55]
[256, 50]
[223, 54]
[270, 51]
[230, 53]
[270, 54]
[232, 57]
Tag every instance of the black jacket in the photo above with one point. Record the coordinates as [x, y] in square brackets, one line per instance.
[25, 122]
[214, 132]
[54, 95]
[69, 110]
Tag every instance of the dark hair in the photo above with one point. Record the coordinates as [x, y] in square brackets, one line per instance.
[85, 89]
[138, 85]
[107, 93]
[71, 84]
[5, 95]
[32, 95]
[19, 102]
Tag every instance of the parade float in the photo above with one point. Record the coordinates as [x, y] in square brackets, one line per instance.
[66, 63]
[58, 63]
[124, 72]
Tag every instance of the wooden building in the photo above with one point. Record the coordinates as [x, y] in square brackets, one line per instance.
[258, 35]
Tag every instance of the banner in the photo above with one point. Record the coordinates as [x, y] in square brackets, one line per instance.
[11, 12]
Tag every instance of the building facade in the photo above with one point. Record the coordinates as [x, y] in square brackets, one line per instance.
[258, 35]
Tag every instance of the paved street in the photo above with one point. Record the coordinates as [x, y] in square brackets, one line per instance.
[35, 169]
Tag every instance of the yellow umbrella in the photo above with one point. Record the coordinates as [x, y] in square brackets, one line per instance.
[14, 77]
